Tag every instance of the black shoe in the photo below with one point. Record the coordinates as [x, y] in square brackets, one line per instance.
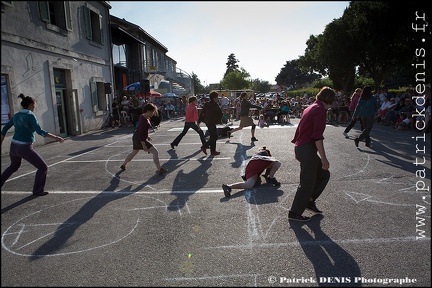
[162, 171]
[40, 194]
[172, 146]
[356, 142]
[312, 207]
[123, 167]
[227, 190]
[272, 181]
[229, 134]
[254, 139]
[368, 145]
[297, 217]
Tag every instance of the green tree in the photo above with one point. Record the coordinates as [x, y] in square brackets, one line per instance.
[260, 86]
[231, 64]
[373, 39]
[198, 87]
[292, 76]
[385, 40]
[337, 52]
[236, 80]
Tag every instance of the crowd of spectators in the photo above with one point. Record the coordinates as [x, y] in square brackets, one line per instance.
[402, 111]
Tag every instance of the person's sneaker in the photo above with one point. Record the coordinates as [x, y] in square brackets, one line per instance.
[172, 146]
[215, 153]
[346, 135]
[204, 150]
[162, 171]
[272, 181]
[297, 217]
[227, 190]
[254, 139]
[123, 167]
[312, 207]
[356, 142]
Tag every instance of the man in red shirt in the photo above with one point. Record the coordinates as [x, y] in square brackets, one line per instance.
[308, 140]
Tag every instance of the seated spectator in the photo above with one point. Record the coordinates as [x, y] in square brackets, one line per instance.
[404, 123]
[404, 106]
[382, 111]
[124, 104]
[261, 122]
[284, 110]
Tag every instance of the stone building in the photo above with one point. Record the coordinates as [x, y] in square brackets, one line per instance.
[58, 52]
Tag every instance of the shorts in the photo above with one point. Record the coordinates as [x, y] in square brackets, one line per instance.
[256, 167]
[246, 121]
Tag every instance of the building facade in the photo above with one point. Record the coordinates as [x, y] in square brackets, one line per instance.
[73, 57]
[58, 52]
[137, 55]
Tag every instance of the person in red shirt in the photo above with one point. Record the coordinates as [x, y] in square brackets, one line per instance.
[262, 160]
[190, 122]
[314, 169]
[141, 138]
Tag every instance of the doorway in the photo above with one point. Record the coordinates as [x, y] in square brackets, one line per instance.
[61, 112]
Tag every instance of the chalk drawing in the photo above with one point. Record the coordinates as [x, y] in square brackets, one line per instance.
[32, 231]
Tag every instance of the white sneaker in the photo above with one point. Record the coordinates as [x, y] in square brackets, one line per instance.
[345, 134]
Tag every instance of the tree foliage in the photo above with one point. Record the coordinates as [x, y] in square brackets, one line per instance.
[238, 79]
[291, 75]
[372, 39]
[231, 64]
[198, 87]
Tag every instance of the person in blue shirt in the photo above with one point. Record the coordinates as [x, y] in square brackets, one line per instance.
[21, 147]
[366, 109]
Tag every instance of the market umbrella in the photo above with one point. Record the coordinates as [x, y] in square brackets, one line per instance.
[133, 87]
[170, 95]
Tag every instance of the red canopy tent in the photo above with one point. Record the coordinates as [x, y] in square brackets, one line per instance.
[153, 94]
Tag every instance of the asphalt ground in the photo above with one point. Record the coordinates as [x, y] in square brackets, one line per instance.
[100, 226]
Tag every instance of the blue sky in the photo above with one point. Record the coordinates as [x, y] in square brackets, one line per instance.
[200, 35]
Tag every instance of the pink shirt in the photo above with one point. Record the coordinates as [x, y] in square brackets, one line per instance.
[191, 113]
[354, 102]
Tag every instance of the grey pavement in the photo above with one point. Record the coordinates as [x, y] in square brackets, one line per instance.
[100, 226]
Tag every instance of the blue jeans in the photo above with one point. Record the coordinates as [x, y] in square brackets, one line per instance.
[187, 126]
[26, 152]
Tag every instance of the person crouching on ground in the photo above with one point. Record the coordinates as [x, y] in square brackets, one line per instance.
[259, 162]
